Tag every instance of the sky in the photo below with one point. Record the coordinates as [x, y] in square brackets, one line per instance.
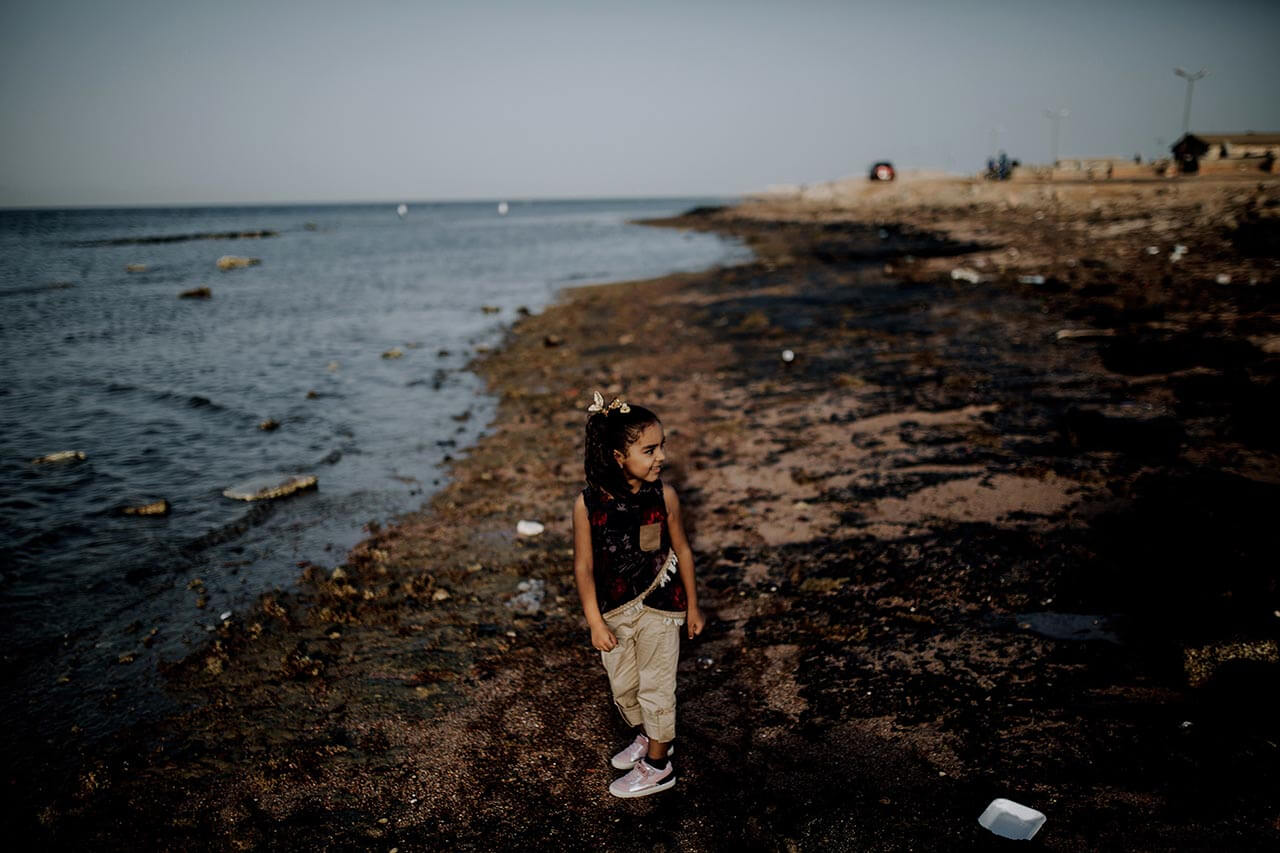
[132, 102]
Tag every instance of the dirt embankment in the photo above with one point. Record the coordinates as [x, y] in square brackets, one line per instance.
[975, 537]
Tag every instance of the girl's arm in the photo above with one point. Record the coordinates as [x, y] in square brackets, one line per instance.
[601, 637]
[679, 543]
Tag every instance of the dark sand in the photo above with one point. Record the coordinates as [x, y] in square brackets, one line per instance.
[946, 556]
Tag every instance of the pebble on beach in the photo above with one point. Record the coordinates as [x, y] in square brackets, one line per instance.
[529, 528]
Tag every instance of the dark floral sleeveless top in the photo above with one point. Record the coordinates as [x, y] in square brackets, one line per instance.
[629, 547]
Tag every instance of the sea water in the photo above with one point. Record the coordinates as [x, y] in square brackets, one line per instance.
[164, 396]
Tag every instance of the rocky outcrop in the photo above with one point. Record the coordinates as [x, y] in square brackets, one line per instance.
[160, 507]
[232, 262]
[60, 456]
[269, 488]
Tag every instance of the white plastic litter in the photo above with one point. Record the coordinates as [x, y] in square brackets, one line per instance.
[788, 356]
[965, 274]
[529, 528]
[1153, 250]
[1012, 820]
[1030, 279]
[1223, 278]
[1178, 251]
[226, 614]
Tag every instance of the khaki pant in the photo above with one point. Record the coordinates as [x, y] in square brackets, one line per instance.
[642, 668]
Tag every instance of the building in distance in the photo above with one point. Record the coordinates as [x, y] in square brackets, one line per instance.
[1227, 152]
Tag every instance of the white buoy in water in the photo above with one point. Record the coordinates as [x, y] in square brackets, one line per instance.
[502, 208]
[402, 210]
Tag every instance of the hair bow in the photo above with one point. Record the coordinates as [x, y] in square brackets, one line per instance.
[616, 403]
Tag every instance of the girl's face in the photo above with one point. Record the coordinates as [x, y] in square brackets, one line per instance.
[642, 463]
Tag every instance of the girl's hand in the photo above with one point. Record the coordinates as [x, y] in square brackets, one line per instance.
[602, 638]
[694, 621]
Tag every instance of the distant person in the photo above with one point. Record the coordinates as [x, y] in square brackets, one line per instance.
[634, 572]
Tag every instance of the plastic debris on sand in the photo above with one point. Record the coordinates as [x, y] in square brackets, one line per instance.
[1012, 820]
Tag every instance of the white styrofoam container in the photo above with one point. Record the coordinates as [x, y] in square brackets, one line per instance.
[1012, 820]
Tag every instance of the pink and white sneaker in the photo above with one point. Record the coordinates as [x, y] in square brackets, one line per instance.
[639, 748]
[644, 780]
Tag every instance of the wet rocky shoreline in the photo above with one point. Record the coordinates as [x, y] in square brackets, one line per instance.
[948, 553]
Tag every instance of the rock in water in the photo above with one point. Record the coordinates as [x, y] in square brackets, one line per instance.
[271, 487]
[196, 293]
[528, 528]
[231, 262]
[528, 601]
[60, 456]
[160, 507]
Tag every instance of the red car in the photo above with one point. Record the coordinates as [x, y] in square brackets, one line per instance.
[883, 171]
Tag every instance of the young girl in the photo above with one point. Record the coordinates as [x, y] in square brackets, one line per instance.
[634, 572]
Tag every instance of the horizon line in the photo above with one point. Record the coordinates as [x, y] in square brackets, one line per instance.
[158, 205]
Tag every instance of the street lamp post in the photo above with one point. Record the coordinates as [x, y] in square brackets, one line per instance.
[1055, 116]
[1191, 84]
